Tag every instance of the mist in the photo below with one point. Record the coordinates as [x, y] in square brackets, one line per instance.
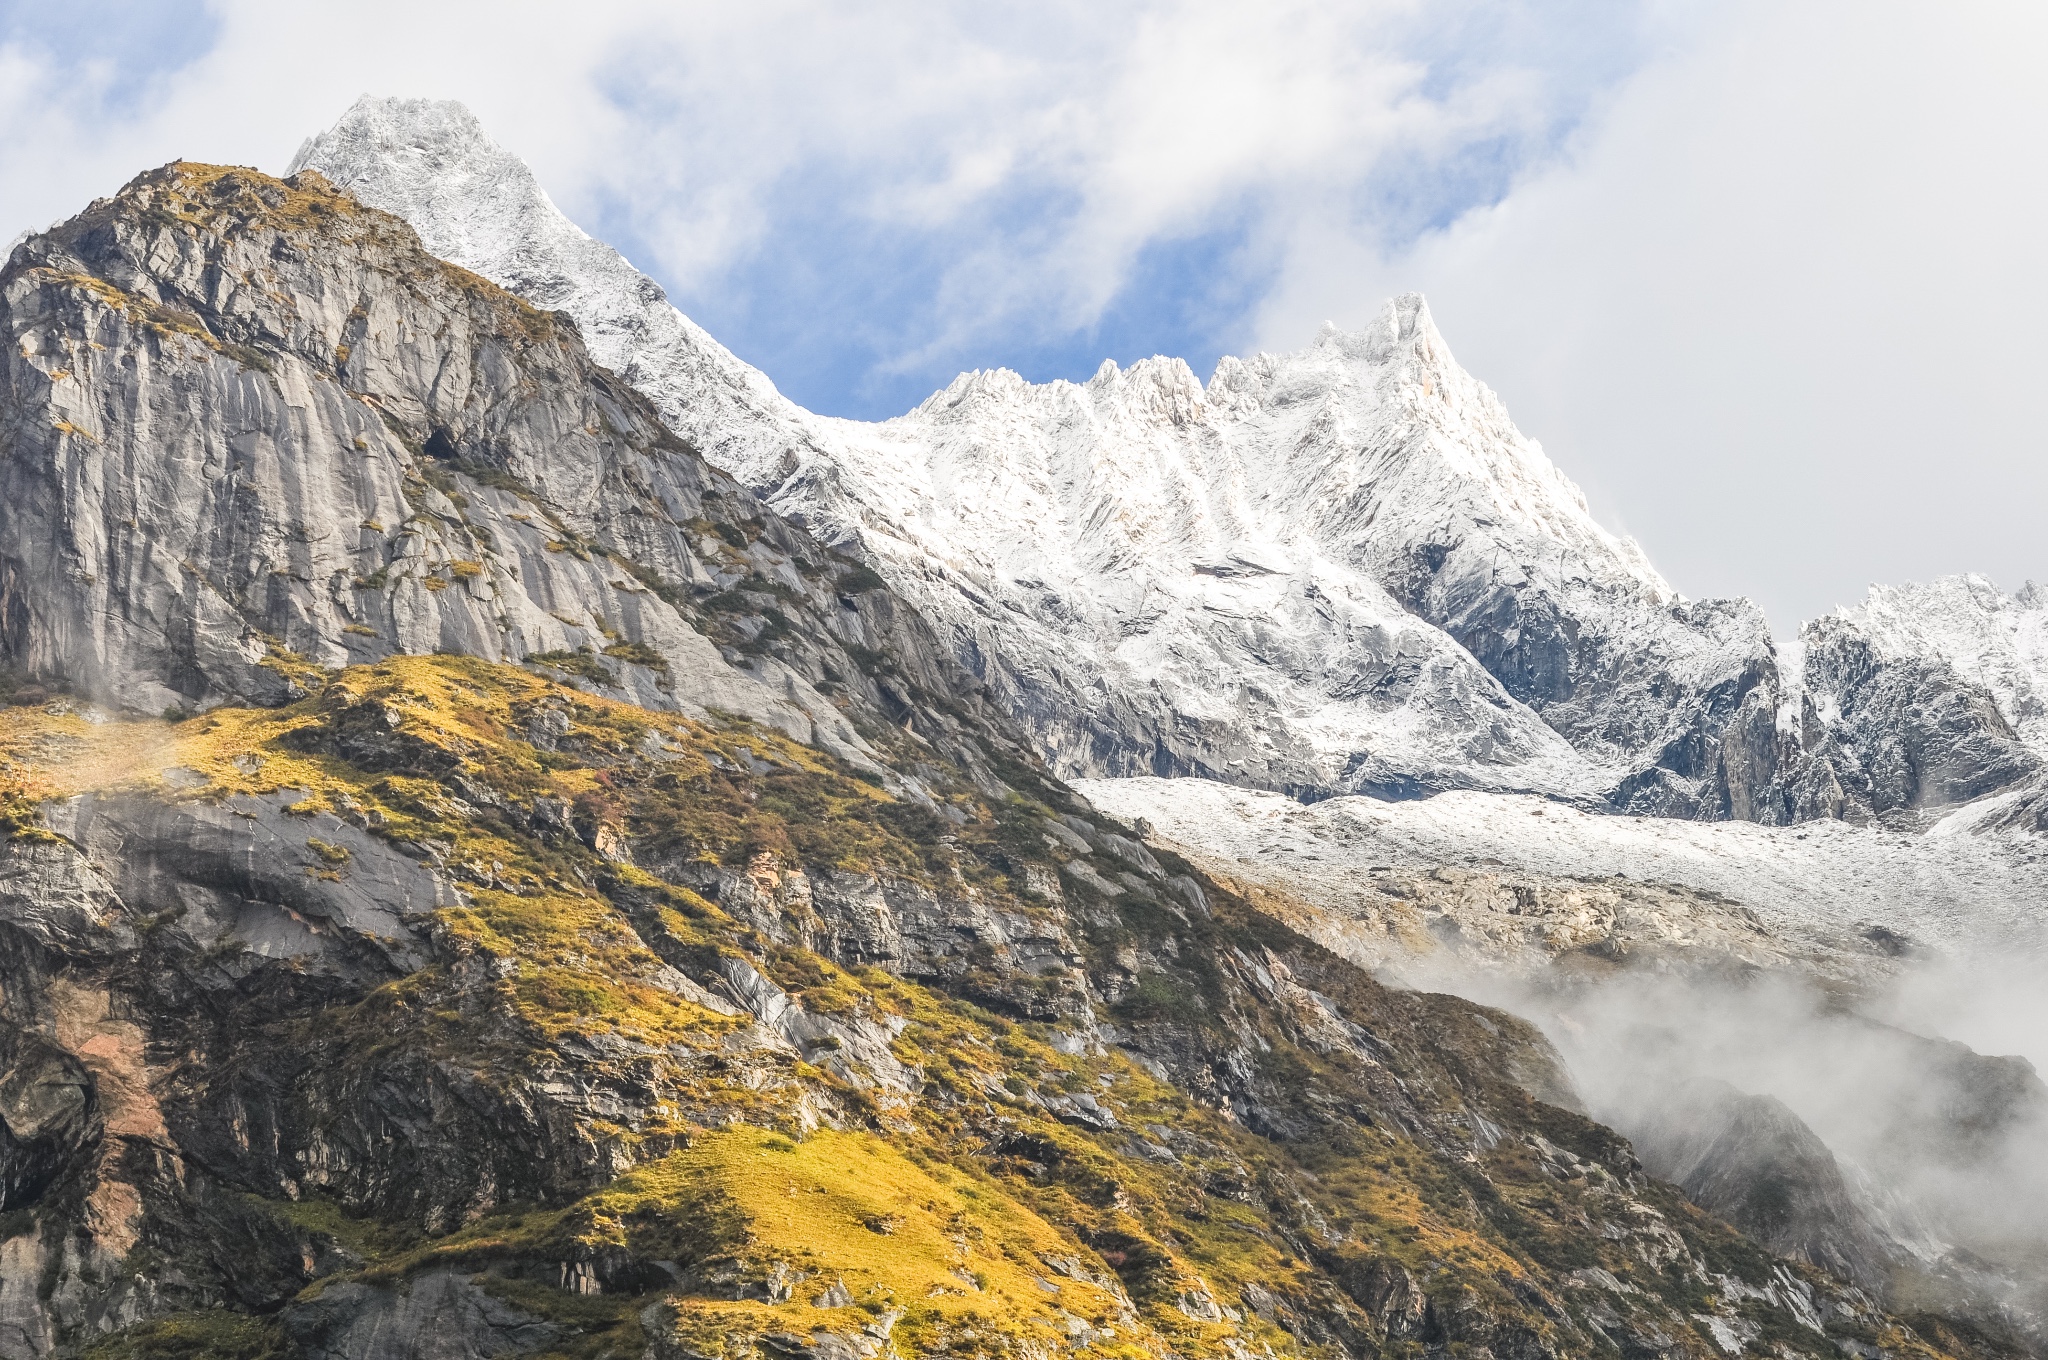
[1896, 1135]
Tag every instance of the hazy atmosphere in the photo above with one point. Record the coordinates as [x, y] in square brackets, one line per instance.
[1764, 279]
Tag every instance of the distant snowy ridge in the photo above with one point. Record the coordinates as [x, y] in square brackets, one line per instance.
[1154, 583]
[1336, 570]
[1936, 694]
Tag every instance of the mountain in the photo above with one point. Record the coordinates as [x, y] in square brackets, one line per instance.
[1939, 692]
[240, 461]
[431, 163]
[1334, 571]
[1341, 577]
[476, 881]
[1756, 1164]
[1711, 986]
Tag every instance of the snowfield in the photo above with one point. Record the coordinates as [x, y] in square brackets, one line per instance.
[1826, 882]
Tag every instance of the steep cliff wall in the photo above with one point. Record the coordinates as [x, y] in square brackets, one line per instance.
[253, 429]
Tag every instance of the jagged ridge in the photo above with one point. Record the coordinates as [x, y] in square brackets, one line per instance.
[1335, 571]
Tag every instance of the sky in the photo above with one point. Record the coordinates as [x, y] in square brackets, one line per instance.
[1766, 279]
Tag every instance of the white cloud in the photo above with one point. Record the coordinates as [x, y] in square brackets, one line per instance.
[1060, 138]
[1048, 145]
[1780, 308]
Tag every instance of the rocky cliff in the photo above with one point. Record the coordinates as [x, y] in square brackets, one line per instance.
[1938, 693]
[453, 1011]
[255, 431]
[476, 882]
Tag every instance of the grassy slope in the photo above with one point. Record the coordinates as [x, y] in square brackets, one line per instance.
[970, 1218]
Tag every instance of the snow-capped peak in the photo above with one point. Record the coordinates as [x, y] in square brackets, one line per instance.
[476, 204]
[1962, 627]
[1337, 568]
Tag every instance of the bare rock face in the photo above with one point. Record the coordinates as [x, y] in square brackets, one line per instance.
[252, 427]
[1753, 1162]
[1938, 692]
[439, 1314]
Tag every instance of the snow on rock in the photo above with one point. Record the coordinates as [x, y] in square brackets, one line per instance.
[1337, 570]
[1818, 890]
[477, 205]
[1148, 591]
[1938, 691]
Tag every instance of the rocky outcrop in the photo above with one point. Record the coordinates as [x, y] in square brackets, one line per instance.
[437, 1315]
[1941, 1201]
[253, 429]
[1939, 693]
[1753, 1162]
[901, 924]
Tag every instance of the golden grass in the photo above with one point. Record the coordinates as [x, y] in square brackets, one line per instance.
[953, 1254]
[934, 1233]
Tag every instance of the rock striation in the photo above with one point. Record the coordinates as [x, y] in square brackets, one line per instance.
[255, 430]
